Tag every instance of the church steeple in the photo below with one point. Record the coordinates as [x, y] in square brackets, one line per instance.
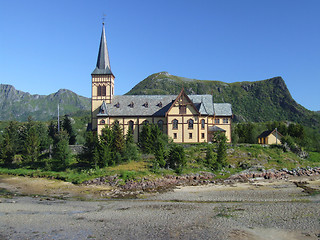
[103, 62]
[102, 80]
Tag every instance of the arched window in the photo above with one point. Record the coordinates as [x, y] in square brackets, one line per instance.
[203, 122]
[145, 122]
[102, 122]
[190, 124]
[160, 125]
[131, 126]
[174, 124]
[101, 90]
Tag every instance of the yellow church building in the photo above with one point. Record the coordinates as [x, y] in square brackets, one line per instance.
[184, 118]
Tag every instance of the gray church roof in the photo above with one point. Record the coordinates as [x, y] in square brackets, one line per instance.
[222, 109]
[103, 62]
[158, 105]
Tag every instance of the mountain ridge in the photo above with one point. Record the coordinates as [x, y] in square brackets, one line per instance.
[257, 101]
[18, 105]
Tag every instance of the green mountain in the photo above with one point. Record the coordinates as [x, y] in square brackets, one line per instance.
[260, 101]
[18, 105]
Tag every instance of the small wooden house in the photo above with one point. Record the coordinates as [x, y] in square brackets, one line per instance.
[270, 137]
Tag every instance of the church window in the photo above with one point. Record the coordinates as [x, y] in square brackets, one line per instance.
[202, 135]
[217, 121]
[159, 104]
[160, 125]
[131, 105]
[99, 90]
[102, 122]
[131, 126]
[182, 109]
[175, 135]
[203, 123]
[190, 124]
[117, 105]
[145, 122]
[225, 120]
[145, 104]
[190, 135]
[174, 124]
[103, 90]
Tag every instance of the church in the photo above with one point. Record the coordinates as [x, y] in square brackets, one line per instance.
[184, 118]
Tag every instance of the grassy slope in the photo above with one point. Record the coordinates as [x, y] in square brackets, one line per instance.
[251, 155]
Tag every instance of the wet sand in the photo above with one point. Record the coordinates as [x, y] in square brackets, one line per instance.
[258, 210]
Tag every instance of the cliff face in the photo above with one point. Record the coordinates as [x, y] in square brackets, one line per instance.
[266, 100]
[19, 105]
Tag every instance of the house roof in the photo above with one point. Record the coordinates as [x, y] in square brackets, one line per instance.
[103, 62]
[267, 133]
[158, 105]
[216, 129]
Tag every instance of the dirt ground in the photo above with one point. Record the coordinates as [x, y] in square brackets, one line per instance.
[32, 208]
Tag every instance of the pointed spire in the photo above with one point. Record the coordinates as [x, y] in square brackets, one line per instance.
[103, 62]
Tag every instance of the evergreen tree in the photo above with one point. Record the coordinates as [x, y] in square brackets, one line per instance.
[31, 144]
[61, 150]
[106, 151]
[177, 159]
[210, 159]
[145, 139]
[89, 151]
[222, 151]
[52, 129]
[67, 126]
[11, 143]
[159, 153]
[118, 138]
[129, 136]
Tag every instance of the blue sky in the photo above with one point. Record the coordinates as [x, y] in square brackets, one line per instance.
[48, 45]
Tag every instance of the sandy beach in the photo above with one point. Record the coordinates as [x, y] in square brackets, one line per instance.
[261, 209]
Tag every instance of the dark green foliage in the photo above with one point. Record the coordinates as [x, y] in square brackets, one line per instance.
[281, 127]
[118, 139]
[131, 152]
[211, 158]
[129, 137]
[67, 126]
[145, 139]
[89, 154]
[106, 147]
[159, 153]
[31, 148]
[11, 142]
[61, 151]
[222, 151]
[52, 129]
[176, 159]
[246, 133]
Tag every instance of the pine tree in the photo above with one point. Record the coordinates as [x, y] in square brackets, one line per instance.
[61, 150]
[222, 150]
[31, 144]
[118, 137]
[145, 139]
[177, 159]
[67, 126]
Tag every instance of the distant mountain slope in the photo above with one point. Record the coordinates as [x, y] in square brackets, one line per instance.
[18, 105]
[266, 100]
